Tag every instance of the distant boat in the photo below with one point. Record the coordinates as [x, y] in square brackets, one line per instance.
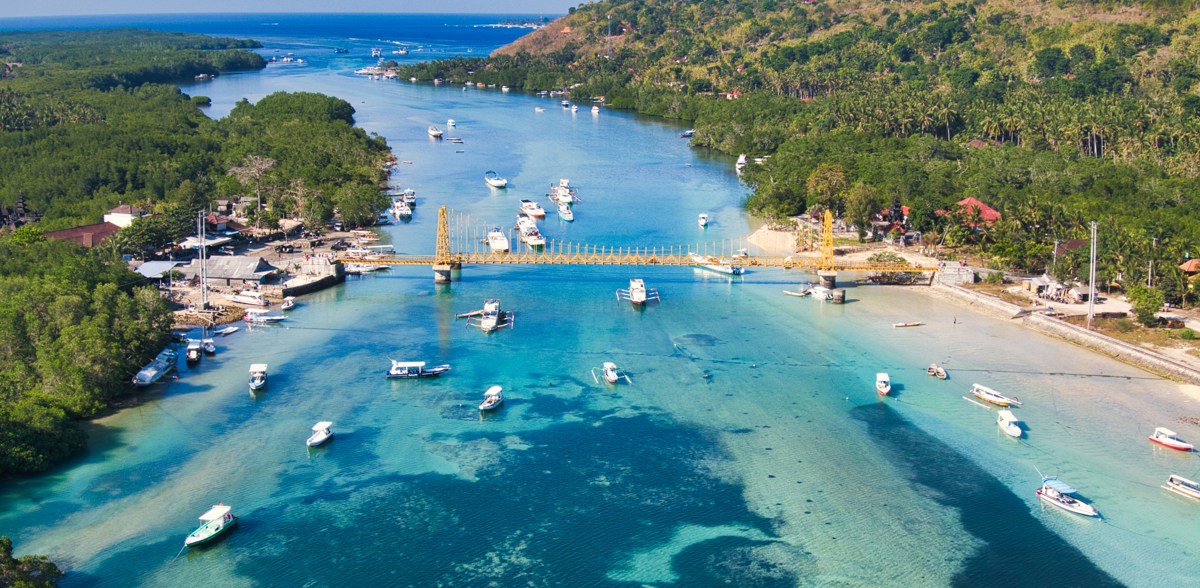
[723, 266]
[492, 398]
[258, 376]
[574, 108]
[528, 231]
[883, 384]
[984, 393]
[1009, 423]
[565, 212]
[210, 346]
[1168, 438]
[702, 220]
[532, 208]
[495, 180]
[415, 369]
[539, 109]
[434, 132]
[504, 88]
[363, 268]
[908, 324]
[152, 372]
[799, 294]
[638, 293]
[450, 123]
[611, 373]
[194, 352]
[321, 433]
[687, 134]
[941, 373]
[932, 369]
[217, 520]
[376, 51]
[251, 297]
[289, 302]
[1058, 493]
[262, 316]
[497, 240]
[566, 103]
[224, 331]
[740, 164]
[1183, 486]
[595, 109]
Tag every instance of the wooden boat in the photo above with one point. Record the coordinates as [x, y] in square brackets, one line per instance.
[194, 352]
[799, 294]
[883, 384]
[987, 394]
[494, 180]
[217, 520]
[492, 398]
[1058, 493]
[415, 369]
[258, 376]
[611, 373]
[638, 293]
[1009, 424]
[321, 433]
[1183, 486]
[908, 324]
[941, 373]
[1168, 438]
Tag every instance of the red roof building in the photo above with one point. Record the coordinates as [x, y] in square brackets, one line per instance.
[1190, 266]
[87, 236]
[967, 207]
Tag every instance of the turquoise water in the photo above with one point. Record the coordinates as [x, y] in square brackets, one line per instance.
[749, 450]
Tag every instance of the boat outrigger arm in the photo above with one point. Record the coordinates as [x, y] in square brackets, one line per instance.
[620, 375]
[651, 294]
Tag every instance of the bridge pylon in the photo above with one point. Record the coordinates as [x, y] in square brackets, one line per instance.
[826, 270]
[444, 260]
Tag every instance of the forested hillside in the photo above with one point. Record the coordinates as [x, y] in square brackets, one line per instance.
[1054, 112]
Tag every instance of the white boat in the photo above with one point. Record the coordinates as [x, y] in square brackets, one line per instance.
[1183, 486]
[492, 398]
[258, 376]
[216, 520]
[566, 103]
[883, 384]
[401, 208]
[1168, 438]
[152, 372]
[702, 220]
[561, 195]
[1058, 493]
[723, 266]
[907, 324]
[987, 394]
[415, 369]
[289, 302]
[504, 88]
[492, 317]
[494, 180]
[637, 293]
[1009, 423]
[687, 134]
[822, 293]
[225, 331]
[574, 108]
[210, 346]
[194, 351]
[434, 132]
[450, 123]
[741, 164]
[565, 213]
[528, 231]
[940, 372]
[251, 297]
[497, 240]
[539, 109]
[595, 109]
[532, 208]
[321, 433]
[363, 268]
[262, 316]
[611, 373]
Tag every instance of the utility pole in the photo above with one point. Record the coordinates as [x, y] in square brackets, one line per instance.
[1150, 278]
[1092, 280]
[608, 53]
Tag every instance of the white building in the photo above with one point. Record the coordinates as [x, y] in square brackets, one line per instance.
[124, 215]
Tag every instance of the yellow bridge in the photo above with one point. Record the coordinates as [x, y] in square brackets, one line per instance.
[470, 252]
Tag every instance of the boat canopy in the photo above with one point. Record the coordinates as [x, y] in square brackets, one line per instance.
[257, 310]
[321, 426]
[1058, 485]
[216, 512]
[1007, 415]
[494, 390]
[407, 364]
[258, 367]
[1164, 431]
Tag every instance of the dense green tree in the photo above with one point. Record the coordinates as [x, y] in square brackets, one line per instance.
[862, 201]
[1146, 302]
[30, 571]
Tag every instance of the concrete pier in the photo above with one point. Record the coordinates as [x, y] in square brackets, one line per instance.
[441, 273]
[827, 279]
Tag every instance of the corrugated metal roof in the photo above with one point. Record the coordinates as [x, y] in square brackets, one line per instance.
[156, 269]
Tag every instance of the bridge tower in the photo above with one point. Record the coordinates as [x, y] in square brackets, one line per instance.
[825, 268]
[444, 260]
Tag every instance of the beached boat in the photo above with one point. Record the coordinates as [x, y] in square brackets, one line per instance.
[152, 372]
[941, 373]
[194, 352]
[434, 132]
[908, 324]
[497, 240]
[492, 398]
[321, 433]
[415, 369]
[722, 266]
[1009, 423]
[250, 297]
[532, 208]
[224, 331]
[494, 180]
[1168, 438]
[883, 384]
[565, 213]
[702, 220]
[262, 316]
[289, 302]
[216, 520]
[611, 373]
[638, 293]
[258, 376]
[1058, 493]
[210, 346]
[932, 369]
[987, 394]
[687, 134]
[1183, 486]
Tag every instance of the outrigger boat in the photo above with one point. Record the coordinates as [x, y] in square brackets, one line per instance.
[217, 520]
[565, 212]
[1058, 493]
[1183, 486]
[1168, 438]
[611, 373]
[1009, 424]
[637, 294]
[152, 372]
[987, 394]
[321, 434]
[490, 318]
[883, 384]
[415, 369]
[258, 376]
[492, 398]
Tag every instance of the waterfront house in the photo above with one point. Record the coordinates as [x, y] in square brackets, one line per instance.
[235, 271]
[124, 215]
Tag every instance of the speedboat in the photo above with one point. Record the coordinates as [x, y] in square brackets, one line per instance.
[194, 351]
[883, 384]
[941, 373]
[1183, 486]
[492, 398]
[565, 213]
[152, 372]
[289, 302]
[258, 376]
[539, 109]
[723, 266]
[251, 297]
[363, 268]
[494, 180]
[987, 394]
[450, 123]
[497, 240]
[1058, 493]
[637, 294]
[702, 220]
[532, 208]
[217, 520]
[434, 132]
[566, 103]
[401, 209]
[528, 231]
[210, 346]
[1009, 423]
[932, 369]
[611, 373]
[574, 108]
[1168, 438]
[321, 434]
[415, 369]
[262, 316]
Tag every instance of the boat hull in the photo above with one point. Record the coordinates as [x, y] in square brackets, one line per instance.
[319, 438]
[1173, 444]
[1077, 507]
[209, 532]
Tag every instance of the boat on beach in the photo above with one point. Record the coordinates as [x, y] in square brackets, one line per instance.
[532, 208]
[216, 520]
[258, 376]
[1183, 486]
[988, 395]
[883, 384]
[497, 240]
[1009, 423]
[721, 266]
[1168, 438]
[494, 180]
[1058, 493]
[415, 369]
[492, 398]
[321, 433]
[250, 297]
[611, 373]
[152, 372]
[637, 294]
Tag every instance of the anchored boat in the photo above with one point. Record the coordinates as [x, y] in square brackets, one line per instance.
[157, 368]
[883, 384]
[1183, 486]
[722, 266]
[497, 240]
[987, 394]
[1009, 424]
[258, 376]
[637, 294]
[415, 369]
[217, 520]
[492, 398]
[1168, 438]
[321, 433]
[1058, 493]
[611, 373]
[494, 180]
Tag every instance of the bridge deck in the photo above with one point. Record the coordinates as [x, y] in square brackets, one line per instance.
[629, 258]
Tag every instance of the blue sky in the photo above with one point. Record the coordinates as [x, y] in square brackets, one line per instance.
[15, 8]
